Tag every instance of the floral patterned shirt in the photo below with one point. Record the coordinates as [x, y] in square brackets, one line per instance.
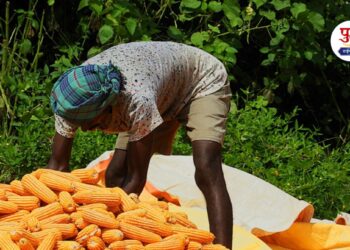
[161, 78]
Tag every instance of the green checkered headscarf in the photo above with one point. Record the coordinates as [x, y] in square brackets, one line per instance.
[83, 92]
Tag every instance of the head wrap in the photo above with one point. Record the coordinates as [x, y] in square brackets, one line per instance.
[83, 92]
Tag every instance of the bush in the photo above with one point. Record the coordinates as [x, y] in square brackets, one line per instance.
[280, 151]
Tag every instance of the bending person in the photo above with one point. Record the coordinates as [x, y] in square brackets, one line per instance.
[143, 91]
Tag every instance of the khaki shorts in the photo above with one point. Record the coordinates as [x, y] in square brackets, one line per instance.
[204, 119]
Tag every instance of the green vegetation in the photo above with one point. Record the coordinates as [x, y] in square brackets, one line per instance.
[290, 118]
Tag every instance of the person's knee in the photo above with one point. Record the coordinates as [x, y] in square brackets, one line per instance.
[207, 169]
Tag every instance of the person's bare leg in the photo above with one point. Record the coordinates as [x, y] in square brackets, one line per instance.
[210, 180]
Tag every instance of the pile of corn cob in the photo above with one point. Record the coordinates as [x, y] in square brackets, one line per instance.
[48, 209]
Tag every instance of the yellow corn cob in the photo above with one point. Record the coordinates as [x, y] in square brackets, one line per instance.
[76, 215]
[8, 227]
[6, 243]
[81, 223]
[89, 176]
[193, 245]
[111, 235]
[68, 245]
[124, 244]
[198, 235]
[95, 243]
[88, 197]
[214, 247]
[134, 248]
[108, 213]
[156, 227]
[18, 234]
[25, 202]
[127, 203]
[7, 207]
[57, 183]
[100, 219]
[67, 202]
[40, 236]
[18, 188]
[33, 224]
[24, 244]
[174, 243]
[86, 233]
[137, 233]
[179, 219]
[183, 214]
[181, 236]
[57, 219]
[39, 189]
[115, 209]
[163, 205]
[5, 187]
[3, 195]
[134, 197]
[79, 186]
[14, 217]
[153, 212]
[49, 242]
[47, 211]
[137, 212]
[93, 206]
[37, 173]
[9, 193]
[67, 230]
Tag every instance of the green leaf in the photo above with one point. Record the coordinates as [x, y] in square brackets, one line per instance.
[105, 33]
[215, 6]
[258, 3]
[297, 8]
[220, 46]
[280, 4]
[93, 51]
[281, 25]
[174, 32]
[269, 14]
[191, 4]
[231, 54]
[96, 7]
[83, 4]
[131, 24]
[50, 2]
[198, 38]
[308, 55]
[276, 40]
[232, 11]
[25, 47]
[317, 20]
[264, 50]
[46, 70]
[271, 57]
[35, 24]
[215, 29]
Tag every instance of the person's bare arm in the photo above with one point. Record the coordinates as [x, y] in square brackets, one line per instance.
[138, 156]
[61, 151]
[117, 169]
